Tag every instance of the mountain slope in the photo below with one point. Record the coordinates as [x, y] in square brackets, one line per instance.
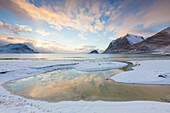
[122, 44]
[16, 48]
[158, 43]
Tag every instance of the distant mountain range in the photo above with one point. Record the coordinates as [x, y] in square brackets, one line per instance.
[16, 48]
[158, 44]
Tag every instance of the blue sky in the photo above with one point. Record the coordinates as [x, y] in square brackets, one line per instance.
[65, 26]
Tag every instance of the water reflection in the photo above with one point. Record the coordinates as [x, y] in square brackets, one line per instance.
[70, 84]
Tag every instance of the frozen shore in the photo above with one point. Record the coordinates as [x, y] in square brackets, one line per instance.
[11, 70]
[146, 72]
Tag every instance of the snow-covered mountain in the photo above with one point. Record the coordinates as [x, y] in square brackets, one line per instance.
[121, 44]
[133, 39]
[157, 44]
[16, 48]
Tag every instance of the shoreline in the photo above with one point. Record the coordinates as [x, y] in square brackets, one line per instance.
[9, 101]
[146, 72]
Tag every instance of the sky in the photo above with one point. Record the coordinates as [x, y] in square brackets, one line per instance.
[75, 26]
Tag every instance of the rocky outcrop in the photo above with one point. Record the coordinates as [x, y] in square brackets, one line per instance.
[94, 52]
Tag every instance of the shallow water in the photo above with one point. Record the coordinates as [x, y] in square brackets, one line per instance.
[80, 57]
[73, 85]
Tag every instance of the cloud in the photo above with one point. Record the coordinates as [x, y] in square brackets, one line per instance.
[85, 48]
[42, 32]
[97, 40]
[149, 15]
[84, 38]
[141, 17]
[10, 38]
[16, 30]
[3, 42]
[59, 28]
[99, 25]
[81, 35]
[25, 27]
[136, 31]
[38, 45]
[112, 37]
[80, 15]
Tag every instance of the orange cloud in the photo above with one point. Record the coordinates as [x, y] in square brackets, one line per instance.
[87, 16]
[72, 16]
[150, 15]
[42, 32]
[16, 30]
[39, 45]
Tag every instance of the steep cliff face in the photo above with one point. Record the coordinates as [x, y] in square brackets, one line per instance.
[158, 43]
[122, 44]
[16, 48]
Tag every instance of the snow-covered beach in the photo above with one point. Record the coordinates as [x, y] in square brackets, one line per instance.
[10, 103]
[146, 72]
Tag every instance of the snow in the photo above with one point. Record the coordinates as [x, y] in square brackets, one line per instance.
[16, 48]
[133, 39]
[10, 103]
[146, 72]
[90, 66]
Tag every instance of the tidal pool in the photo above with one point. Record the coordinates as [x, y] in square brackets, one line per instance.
[73, 85]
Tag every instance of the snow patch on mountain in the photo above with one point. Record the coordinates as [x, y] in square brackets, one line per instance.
[133, 39]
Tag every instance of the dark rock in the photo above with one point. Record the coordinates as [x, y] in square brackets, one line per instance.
[161, 76]
[94, 52]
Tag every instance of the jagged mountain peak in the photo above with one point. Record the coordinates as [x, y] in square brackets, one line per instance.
[160, 42]
[124, 42]
[132, 39]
